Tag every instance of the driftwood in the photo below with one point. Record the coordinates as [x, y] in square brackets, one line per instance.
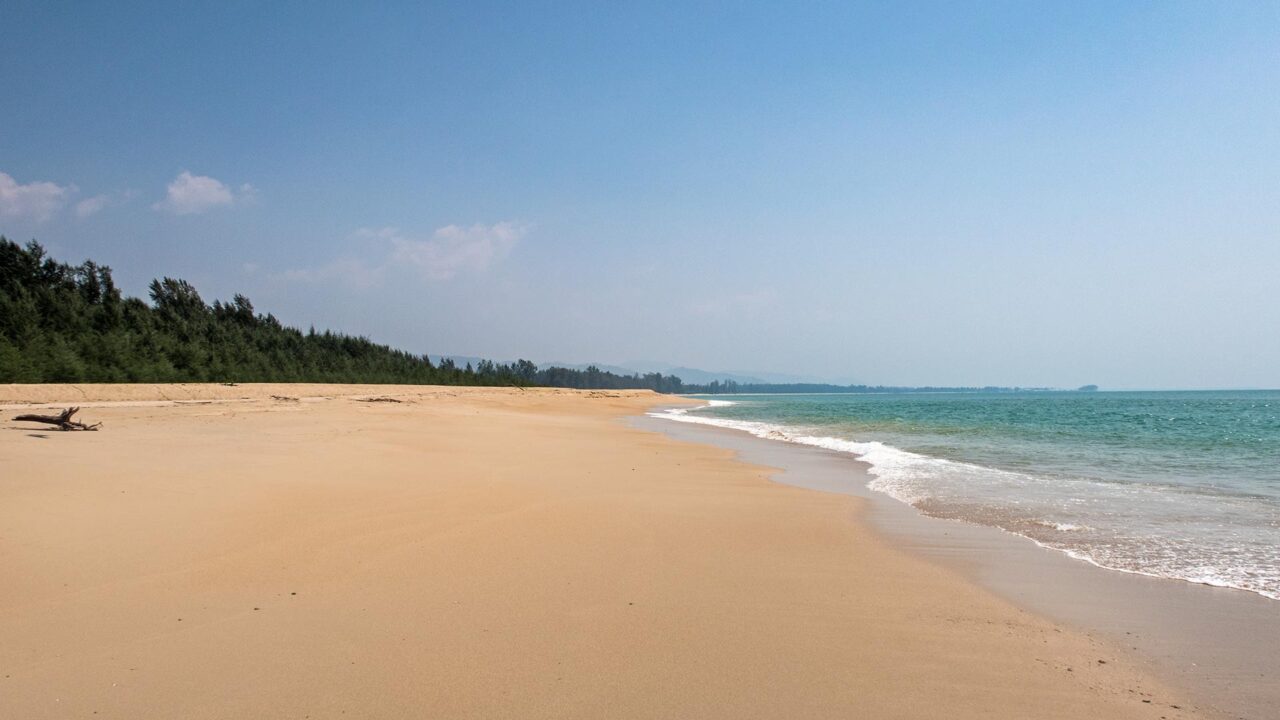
[62, 420]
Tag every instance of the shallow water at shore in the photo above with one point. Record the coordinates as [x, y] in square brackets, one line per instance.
[1216, 642]
[1180, 485]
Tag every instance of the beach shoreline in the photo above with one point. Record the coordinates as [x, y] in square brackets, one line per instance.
[1216, 642]
[405, 551]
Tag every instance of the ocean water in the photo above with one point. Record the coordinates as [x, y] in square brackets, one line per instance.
[1172, 484]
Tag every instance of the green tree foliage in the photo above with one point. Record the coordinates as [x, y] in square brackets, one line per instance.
[64, 323]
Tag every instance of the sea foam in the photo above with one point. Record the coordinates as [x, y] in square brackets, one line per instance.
[1109, 525]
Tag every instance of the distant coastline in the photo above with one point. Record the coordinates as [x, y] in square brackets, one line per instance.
[733, 388]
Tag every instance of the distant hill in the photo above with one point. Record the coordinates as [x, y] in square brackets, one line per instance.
[694, 376]
[462, 360]
[615, 369]
[689, 375]
[700, 376]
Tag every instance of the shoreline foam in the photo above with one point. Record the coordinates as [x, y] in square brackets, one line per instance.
[885, 462]
[1216, 642]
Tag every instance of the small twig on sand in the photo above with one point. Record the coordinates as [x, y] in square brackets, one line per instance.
[62, 420]
[379, 399]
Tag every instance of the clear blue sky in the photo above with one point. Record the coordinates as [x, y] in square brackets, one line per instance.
[1008, 193]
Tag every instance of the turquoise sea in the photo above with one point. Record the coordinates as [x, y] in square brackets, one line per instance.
[1173, 484]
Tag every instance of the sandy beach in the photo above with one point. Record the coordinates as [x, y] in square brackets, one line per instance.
[1218, 644]
[405, 552]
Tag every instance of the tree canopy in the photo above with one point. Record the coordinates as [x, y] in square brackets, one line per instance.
[65, 323]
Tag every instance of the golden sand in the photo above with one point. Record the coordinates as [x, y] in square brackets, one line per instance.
[214, 552]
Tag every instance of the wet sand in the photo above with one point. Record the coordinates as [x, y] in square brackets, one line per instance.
[1221, 644]
[217, 552]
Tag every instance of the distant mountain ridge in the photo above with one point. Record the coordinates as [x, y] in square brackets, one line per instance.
[690, 375]
[746, 377]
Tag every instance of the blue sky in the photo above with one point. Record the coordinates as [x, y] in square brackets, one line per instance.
[1006, 193]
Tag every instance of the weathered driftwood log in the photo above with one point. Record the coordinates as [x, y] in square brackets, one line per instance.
[62, 420]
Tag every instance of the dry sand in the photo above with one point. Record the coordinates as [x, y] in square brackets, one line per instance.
[477, 553]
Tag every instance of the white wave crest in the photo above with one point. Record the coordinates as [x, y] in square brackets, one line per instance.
[900, 474]
[1016, 502]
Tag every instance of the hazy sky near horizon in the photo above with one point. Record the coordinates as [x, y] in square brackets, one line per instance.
[936, 193]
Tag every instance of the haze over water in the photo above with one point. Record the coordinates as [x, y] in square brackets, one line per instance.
[1172, 484]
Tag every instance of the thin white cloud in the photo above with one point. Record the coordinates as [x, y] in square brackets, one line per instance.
[453, 249]
[347, 271]
[450, 251]
[92, 205]
[96, 204]
[193, 194]
[37, 200]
